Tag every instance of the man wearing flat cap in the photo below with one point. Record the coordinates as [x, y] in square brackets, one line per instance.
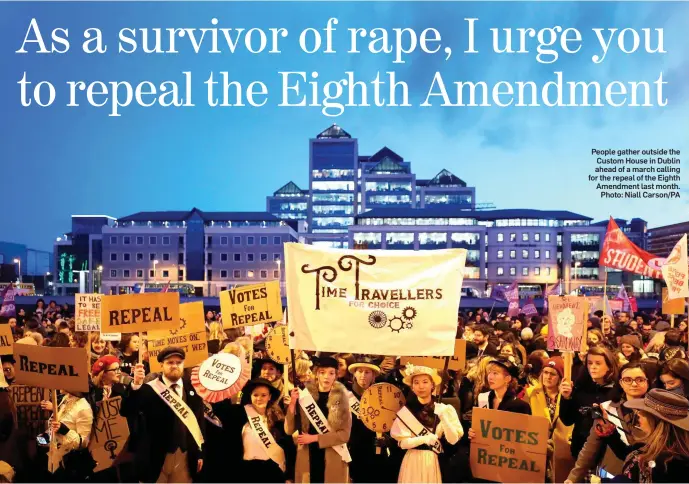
[169, 439]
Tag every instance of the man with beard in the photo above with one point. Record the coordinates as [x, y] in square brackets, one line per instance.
[367, 465]
[170, 419]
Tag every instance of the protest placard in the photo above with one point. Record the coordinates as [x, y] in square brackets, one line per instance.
[508, 447]
[30, 417]
[138, 313]
[52, 367]
[457, 362]
[673, 306]
[567, 323]
[6, 339]
[248, 305]
[87, 312]
[110, 433]
[190, 336]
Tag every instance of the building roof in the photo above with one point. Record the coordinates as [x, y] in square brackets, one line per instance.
[445, 178]
[178, 216]
[455, 212]
[388, 165]
[289, 188]
[333, 131]
[383, 153]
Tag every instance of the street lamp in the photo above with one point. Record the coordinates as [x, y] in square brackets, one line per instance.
[155, 261]
[19, 261]
[279, 276]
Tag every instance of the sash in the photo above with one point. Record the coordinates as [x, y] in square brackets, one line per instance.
[353, 404]
[320, 423]
[210, 415]
[179, 408]
[273, 450]
[618, 423]
[412, 423]
[483, 400]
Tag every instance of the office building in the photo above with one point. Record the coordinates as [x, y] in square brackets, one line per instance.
[201, 252]
[661, 240]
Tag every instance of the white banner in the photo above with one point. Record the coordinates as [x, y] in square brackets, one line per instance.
[675, 271]
[401, 303]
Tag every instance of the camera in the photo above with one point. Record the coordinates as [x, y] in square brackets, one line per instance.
[592, 412]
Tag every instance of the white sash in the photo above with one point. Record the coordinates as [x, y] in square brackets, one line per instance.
[483, 400]
[354, 404]
[607, 406]
[179, 408]
[413, 424]
[273, 450]
[320, 423]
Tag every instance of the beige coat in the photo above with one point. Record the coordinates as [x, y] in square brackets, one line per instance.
[340, 423]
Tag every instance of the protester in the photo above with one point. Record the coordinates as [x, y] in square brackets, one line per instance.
[594, 386]
[633, 383]
[322, 457]
[421, 463]
[255, 438]
[168, 444]
[674, 375]
[662, 453]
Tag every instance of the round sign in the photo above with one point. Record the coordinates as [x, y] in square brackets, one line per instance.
[379, 406]
[221, 376]
[277, 345]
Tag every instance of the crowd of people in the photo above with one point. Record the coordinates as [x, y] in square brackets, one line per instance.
[623, 414]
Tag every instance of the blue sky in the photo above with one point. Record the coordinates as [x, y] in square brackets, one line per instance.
[60, 161]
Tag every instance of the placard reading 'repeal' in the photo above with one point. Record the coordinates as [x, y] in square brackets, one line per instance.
[248, 305]
[373, 301]
[51, 367]
[137, 313]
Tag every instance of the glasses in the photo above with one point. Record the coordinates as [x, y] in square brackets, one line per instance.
[116, 370]
[638, 380]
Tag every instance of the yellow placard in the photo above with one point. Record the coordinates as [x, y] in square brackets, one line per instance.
[190, 336]
[277, 345]
[673, 306]
[457, 361]
[6, 339]
[138, 313]
[249, 305]
[51, 367]
[508, 447]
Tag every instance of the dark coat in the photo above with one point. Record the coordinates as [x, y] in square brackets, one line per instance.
[510, 403]
[233, 418]
[155, 424]
[585, 393]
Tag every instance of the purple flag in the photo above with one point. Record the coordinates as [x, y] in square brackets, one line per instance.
[512, 297]
[8, 308]
[622, 295]
[529, 308]
[553, 291]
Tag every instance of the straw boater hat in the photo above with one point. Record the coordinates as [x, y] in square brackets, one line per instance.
[413, 370]
[364, 362]
[664, 405]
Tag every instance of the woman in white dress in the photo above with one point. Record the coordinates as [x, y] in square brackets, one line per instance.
[422, 426]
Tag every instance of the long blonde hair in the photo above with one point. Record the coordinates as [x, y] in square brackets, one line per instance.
[665, 439]
[478, 375]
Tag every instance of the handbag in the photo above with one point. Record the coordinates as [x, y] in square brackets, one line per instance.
[79, 462]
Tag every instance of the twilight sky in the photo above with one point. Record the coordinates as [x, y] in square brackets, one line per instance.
[58, 161]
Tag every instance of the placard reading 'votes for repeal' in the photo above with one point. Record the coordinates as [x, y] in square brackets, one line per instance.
[6, 339]
[138, 313]
[248, 305]
[190, 336]
[52, 367]
[87, 312]
[508, 447]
